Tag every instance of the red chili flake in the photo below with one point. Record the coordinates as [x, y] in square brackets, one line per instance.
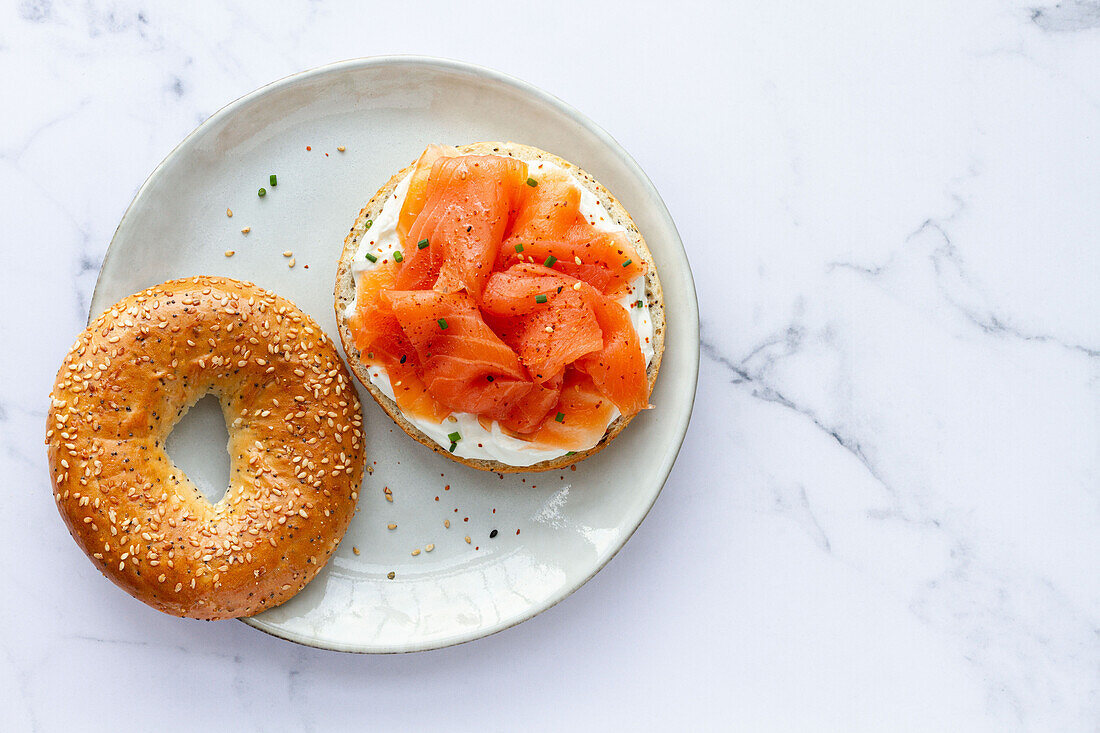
[326, 155]
[447, 487]
[465, 519]
[517, 531]
[308, 148]
[437, 498]
[494, 511]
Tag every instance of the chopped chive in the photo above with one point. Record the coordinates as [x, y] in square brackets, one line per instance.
[540, 298]
[560, 417]
[371, 257]
[571, 453]
[370, 223]
[442, 323]
[627, 263]
[549, 261]
[403, 357]
[489, 377]
[262, 192]
[454, 437]
[532, 182]
[519, 247]
[452, 448]
[273, 180]
[422, 244]
[370, 354]
[638, 304]
[397, 256]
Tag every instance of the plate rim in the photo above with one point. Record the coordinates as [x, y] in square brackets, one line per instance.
[684, 271]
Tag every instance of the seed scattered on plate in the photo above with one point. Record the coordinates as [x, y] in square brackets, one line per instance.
[229, 253]
[447, 523]
[416, 552]
[391, 525]
[246, 230]
[492, 534]
[291, 263]
[341, 148]
[429, 548]
[229, 213]
[467, 539]
[391, 575]
[355, 550]
[578, 260]
[288, 253]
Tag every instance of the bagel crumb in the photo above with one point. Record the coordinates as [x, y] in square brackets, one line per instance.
[391, 575]
[355, 549]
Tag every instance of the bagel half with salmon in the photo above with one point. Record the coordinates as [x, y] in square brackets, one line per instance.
[501, 306]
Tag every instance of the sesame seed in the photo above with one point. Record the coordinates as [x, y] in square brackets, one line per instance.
[341, 148]
[288, 253]
[291, 263]
[246, 230]
[415, 552]
[229, 213]
[467, 539]
[355, 550]
[229, 253]
[391, 525]
[429, 548]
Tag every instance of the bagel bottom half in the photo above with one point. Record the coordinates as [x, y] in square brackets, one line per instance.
[345, 295]
[295, 447]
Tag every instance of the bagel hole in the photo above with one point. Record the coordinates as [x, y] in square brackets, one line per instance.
[199, 445]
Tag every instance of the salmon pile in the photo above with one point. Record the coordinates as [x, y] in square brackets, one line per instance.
[502, 303]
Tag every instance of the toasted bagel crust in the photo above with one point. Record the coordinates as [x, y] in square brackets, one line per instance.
[345, 294]
[295, 447]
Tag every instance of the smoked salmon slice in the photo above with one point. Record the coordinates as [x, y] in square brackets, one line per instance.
[584, 411]
[469, 203]
[417, 191]
[377, 334]
[552, 225]
[547, 335]
[575, 323]
[464, 365]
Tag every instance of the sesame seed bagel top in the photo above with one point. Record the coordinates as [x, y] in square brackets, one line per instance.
[295, 446]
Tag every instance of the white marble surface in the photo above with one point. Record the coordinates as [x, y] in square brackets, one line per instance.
[885, 515]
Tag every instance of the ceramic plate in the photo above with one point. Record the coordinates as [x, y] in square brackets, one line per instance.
[553, 531]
